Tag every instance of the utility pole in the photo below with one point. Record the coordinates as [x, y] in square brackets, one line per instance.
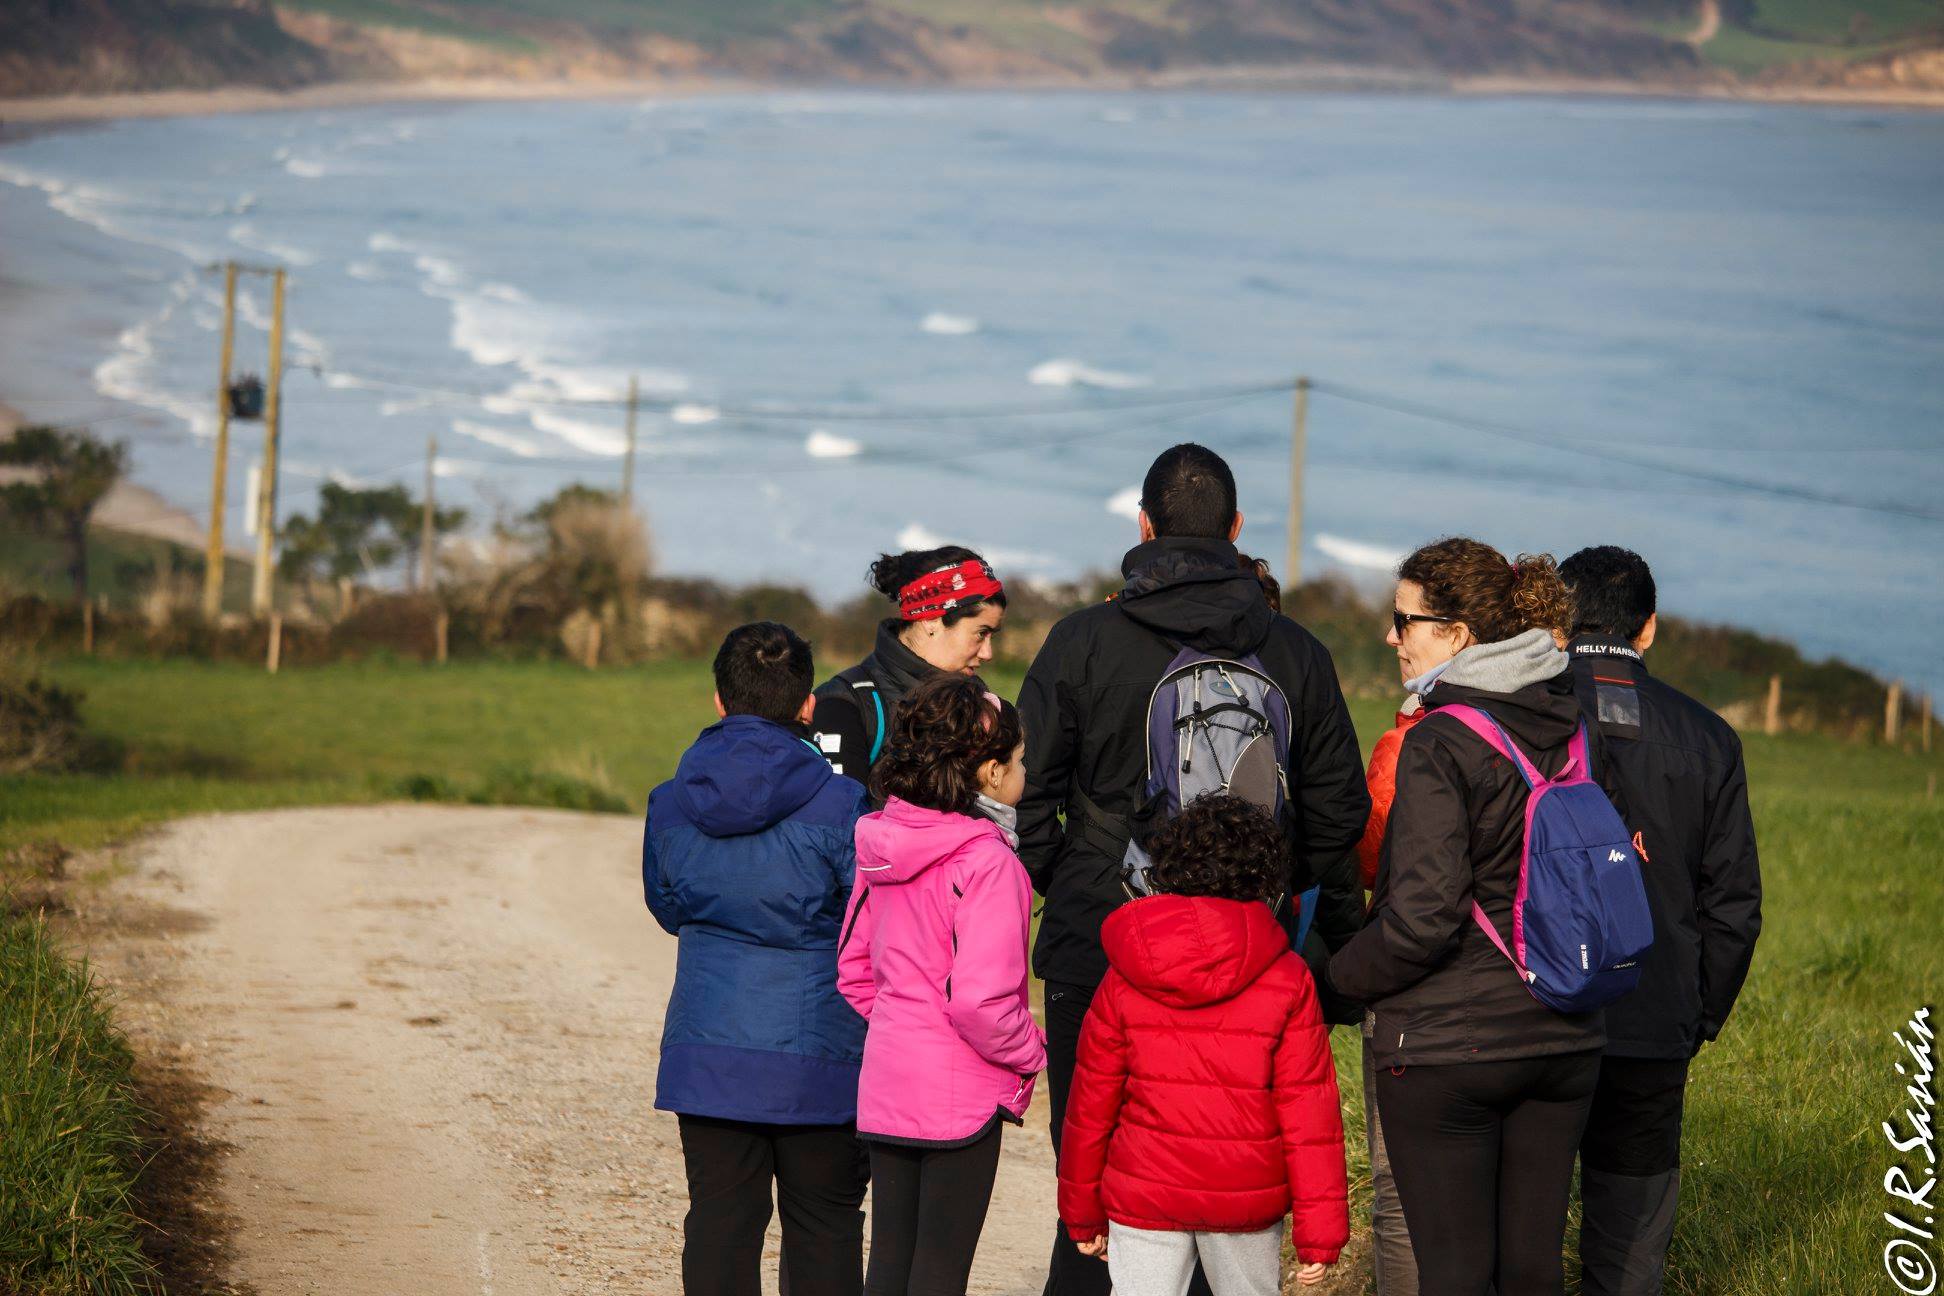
[627, 468]
[213, 555]
[424, 581]
[1298, 435]
[266, 500]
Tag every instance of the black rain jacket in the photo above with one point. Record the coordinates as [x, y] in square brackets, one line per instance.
[1674, 770]
[1084, 705]
[1441, 991]
[854, 706]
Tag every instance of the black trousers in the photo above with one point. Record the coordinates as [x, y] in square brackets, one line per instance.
[1069, 1273]
[1483, 1155]
[928, 1207]
[1635, 1125]
[820, 1173]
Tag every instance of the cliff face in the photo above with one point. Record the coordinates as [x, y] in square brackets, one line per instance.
[73, 46]
[54, 46]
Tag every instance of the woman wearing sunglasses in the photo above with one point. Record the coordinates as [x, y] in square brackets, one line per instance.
[1483, 1089]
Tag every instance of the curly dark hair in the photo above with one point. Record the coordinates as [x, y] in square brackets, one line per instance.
[942, 731]
[1220, 845]
[890, 573]
[1469, 581]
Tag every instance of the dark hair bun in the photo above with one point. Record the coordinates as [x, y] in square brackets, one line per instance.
[892, 572]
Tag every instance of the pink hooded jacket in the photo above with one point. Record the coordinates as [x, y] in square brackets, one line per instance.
[934, 956]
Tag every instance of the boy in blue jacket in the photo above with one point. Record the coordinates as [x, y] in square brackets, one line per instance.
[747, 859]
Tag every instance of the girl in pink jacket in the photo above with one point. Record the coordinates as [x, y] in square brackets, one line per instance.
[933, 955]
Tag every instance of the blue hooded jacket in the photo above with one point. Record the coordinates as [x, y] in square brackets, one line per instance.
[748, 860]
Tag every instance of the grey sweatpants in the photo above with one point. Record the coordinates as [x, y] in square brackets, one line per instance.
[1144, 1262]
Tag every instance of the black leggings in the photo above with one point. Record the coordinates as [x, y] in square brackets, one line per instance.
[819, 1175]
[928, 1206]
[1483, 1153]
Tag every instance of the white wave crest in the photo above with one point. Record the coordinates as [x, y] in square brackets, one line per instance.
[821, 444]
[916, 536]
[368, 271]
[945, 325]
[691, 413]
[593, 438]
[497, 438]
[245, 234]
[1360, 553]
[306, 168]
[1126, 503]
[1075, 373]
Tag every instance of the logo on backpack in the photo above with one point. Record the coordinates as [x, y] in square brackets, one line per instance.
[1580, 920]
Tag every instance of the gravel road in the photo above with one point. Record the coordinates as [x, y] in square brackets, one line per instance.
[429, 1039]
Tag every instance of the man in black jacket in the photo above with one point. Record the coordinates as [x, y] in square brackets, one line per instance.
[1674, 769]
[1084, 705]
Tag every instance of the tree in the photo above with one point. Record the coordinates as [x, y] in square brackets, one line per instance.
[69, 472]
[356, 530]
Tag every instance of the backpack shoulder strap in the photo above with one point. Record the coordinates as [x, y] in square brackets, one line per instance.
[1482, 724]
[862, 687]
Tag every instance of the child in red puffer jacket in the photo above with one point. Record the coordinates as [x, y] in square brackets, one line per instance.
[1204, 1106]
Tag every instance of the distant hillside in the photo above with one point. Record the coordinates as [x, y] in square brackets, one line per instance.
[52, 46]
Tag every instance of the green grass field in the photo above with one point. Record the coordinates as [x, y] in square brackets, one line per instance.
[1783, 1161]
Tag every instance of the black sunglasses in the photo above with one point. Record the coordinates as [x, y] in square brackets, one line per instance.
[1401, 619]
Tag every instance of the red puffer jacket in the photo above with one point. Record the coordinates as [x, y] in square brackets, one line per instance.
[1381, 779]
[1205, 1099]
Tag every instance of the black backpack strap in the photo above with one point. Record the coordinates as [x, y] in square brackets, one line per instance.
[1106, 832]
[870, 704]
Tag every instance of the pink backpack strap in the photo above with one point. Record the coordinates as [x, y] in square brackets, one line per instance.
[1488, 729]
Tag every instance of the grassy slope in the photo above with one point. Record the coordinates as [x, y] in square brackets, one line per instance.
[1782, 1155]
[1785, 32]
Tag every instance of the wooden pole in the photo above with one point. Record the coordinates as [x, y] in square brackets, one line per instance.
[1298, 437]
[441, 629]
[425, 574]
[593, 644]
[213, 554]
[1927, 722]
[87, 627]
[628, 465]
[275, 657]
[345, 596]
[1772, 714]
[1892, 711]
[266, 500]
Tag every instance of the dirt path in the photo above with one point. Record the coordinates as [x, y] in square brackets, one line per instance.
[431, 1036]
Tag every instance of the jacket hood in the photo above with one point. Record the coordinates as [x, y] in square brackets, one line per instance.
[1507, 665]
[1187, 951]
[1194, 592]
[902, 840]
[745, 774]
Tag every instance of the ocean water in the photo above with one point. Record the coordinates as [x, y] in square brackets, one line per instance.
[1712, 332]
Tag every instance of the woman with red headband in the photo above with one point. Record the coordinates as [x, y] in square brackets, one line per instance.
[949, 607]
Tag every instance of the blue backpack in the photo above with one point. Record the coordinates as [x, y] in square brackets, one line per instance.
[1580, 921]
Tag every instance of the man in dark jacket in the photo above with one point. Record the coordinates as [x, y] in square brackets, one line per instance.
[748, 858]
[1084, 704]
[1674, 768]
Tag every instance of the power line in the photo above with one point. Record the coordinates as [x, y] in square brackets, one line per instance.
[1545, 441]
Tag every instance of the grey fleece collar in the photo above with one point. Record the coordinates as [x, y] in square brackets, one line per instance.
[1508, 665]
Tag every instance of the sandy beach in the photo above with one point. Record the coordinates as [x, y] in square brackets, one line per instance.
[59, 109]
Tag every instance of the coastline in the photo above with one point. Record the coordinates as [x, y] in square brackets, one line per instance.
[21, 116]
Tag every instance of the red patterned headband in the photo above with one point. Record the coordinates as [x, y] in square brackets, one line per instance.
[936, 593]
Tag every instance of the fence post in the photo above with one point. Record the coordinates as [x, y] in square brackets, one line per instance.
[593, 645]
[1892, 711]
[439, 631]
[345, 587]
[1927, 720]
[87, 628]
[275, 657]
[1772, 716]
